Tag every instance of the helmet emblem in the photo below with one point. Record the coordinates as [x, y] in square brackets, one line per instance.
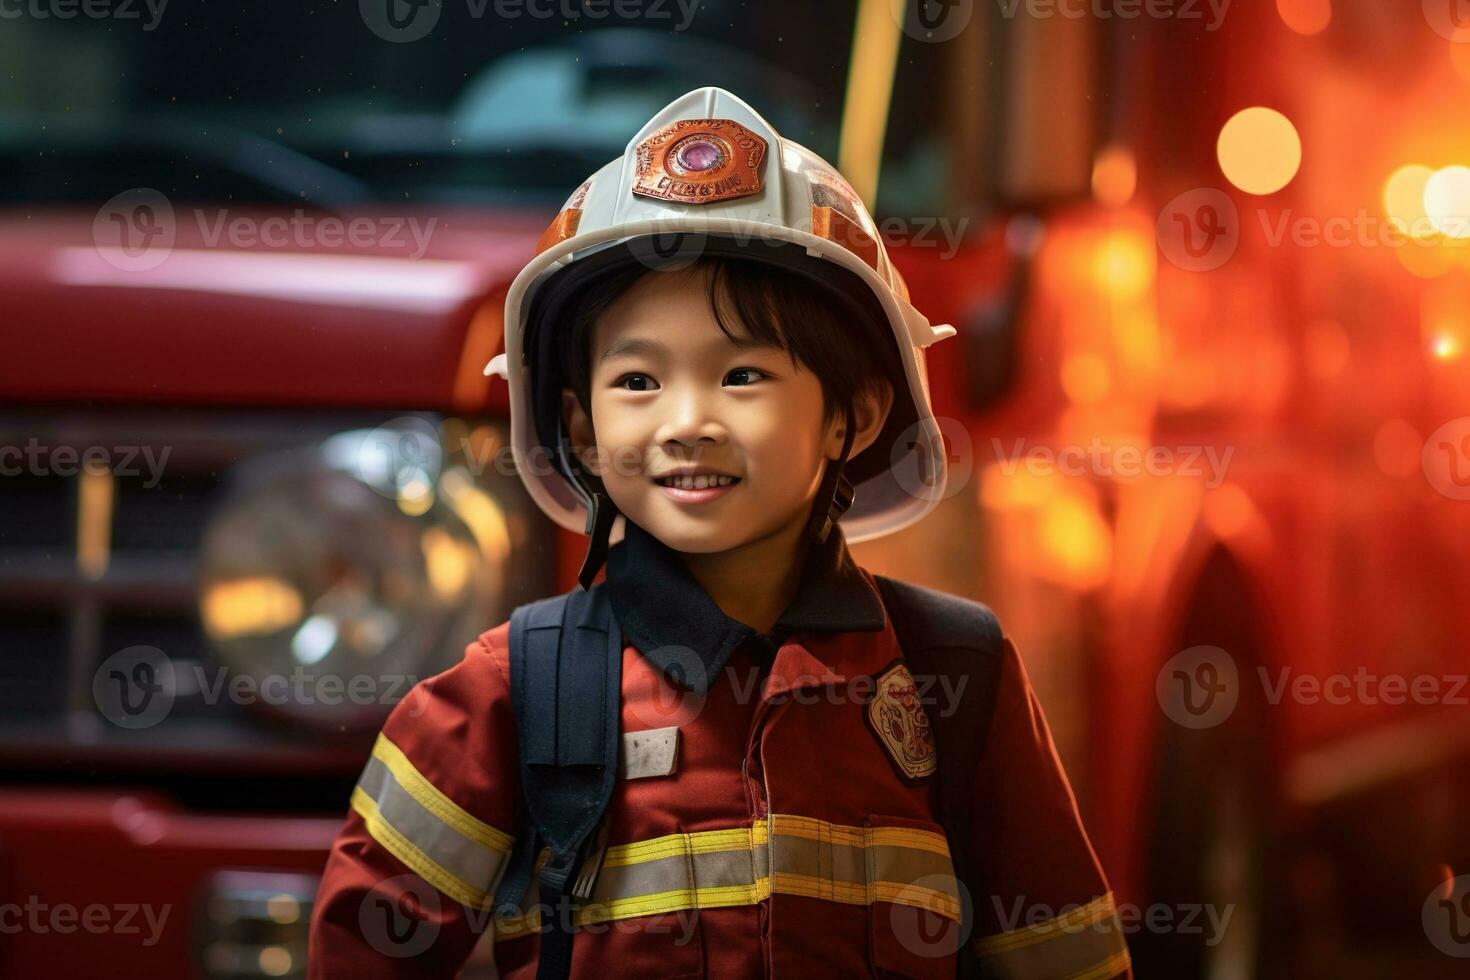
[700, 161]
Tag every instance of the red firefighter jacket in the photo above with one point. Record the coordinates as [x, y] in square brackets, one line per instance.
[774, 815]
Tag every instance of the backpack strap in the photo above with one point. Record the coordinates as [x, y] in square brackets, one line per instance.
[566, 660]
[958, 642]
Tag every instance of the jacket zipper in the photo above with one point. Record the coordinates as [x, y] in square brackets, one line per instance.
[760, 794]
[762, 798]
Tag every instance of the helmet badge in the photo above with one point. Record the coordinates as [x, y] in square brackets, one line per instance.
[700, 161]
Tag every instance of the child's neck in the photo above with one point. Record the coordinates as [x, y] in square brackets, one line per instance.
[755, 582]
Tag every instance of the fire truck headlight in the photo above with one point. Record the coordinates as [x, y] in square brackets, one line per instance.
[334, 579]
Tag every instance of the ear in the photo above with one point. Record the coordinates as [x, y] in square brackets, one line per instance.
[579, 427]
[870, 410]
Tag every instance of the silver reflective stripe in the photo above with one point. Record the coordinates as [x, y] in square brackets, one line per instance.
[450, 849]
[857, 865]
[719, 869]
[905, 864]
[1085, 944]
[819, 859]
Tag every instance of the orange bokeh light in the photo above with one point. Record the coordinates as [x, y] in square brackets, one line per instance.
[1403, 200]
[1447, 201]
[1259, 150]
[1114, 176]
[1305, 16]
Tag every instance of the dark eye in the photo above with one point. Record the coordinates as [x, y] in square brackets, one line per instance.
[744, 374]
[648, 386]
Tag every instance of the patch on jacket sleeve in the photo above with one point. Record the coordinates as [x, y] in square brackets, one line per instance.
[898, 720]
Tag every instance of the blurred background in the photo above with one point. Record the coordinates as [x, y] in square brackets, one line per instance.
[1208, 410]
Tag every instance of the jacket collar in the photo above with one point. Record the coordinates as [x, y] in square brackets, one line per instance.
[667, 614]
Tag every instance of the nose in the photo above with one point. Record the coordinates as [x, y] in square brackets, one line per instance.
[691, 420]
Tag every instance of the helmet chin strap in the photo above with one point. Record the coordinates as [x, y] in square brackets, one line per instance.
[600, 517]
[601, 511]
[835, 494]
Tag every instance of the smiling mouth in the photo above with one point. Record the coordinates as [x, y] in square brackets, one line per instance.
[701, 482]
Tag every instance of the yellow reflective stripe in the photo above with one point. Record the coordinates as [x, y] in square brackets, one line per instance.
[1074, 921]
[431, 799]
[723, 896]
[415, 822]
[784, 854]
[416, 860]
[1106, 970]
[810, 886]
[702, 842]
[811, 828]
[922, 840]
[852, 893]
[789, 825]
[1085, 944]
[713, 897]
[938, 902]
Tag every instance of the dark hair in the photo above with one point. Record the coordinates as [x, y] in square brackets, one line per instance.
[849, 353]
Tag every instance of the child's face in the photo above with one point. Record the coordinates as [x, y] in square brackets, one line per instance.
[670, 389]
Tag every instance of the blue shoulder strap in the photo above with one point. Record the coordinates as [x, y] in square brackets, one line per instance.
[566, 659]
[957, 641]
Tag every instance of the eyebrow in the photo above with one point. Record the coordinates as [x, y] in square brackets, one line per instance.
[630, 346]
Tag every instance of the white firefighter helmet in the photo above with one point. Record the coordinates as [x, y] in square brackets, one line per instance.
[708, 175]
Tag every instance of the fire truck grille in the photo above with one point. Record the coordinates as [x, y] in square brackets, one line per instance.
[36, 514]
[32, 644]
[163, 517]
[101, 521]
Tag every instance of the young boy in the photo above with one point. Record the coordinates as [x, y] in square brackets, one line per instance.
[733, 401]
